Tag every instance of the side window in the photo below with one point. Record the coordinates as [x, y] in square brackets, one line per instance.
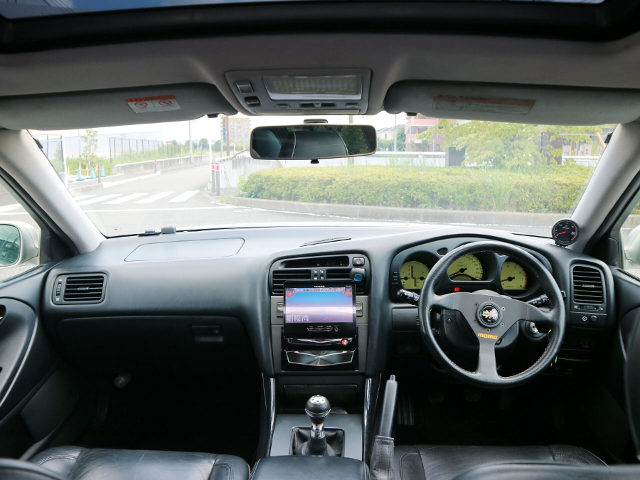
[19, 237]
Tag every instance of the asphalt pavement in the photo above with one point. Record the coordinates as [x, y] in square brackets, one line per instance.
[176, 198]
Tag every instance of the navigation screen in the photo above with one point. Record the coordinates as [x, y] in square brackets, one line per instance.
[319, 304]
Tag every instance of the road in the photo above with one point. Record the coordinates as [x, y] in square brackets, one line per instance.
[174, 198]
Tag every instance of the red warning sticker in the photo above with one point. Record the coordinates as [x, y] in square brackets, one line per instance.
[163, 103]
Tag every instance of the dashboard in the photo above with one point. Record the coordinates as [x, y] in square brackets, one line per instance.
[220, 310]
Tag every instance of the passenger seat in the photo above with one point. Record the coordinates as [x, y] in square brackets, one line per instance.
[105, 464]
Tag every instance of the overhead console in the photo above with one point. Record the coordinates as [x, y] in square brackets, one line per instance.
[299, 92]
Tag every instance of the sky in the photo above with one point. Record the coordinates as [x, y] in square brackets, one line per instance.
[210, 127]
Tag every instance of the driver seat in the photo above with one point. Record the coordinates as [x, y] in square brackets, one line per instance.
[446, 462]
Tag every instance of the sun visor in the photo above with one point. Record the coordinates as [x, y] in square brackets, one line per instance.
[542, 105]
[113, 107]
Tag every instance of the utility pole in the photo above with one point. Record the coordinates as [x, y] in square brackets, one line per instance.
[190, 145]
[350, 159]
[64, 162]
[395, 133]
[210, 164]
[226, 126]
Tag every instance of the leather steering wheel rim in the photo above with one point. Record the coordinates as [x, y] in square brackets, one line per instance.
[483, 307]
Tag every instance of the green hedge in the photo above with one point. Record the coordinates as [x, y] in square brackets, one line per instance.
[548, 189]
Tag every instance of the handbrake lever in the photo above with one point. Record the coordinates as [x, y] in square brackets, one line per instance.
[380, 465]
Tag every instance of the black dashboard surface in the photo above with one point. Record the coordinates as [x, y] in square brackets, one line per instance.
[236, 287]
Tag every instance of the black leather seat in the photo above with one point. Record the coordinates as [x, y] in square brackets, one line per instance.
[550, 471]
[426, 462]
[105, 464]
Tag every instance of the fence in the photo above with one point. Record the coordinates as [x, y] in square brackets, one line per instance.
[121, 146]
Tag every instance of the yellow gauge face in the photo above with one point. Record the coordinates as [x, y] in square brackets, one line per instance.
[466, 268]
[513, 276]
[413, 275]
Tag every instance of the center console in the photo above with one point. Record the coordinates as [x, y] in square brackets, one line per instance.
[319, 334]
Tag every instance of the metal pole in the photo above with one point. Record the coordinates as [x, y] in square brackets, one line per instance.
[395, 133]
[228, 137]
[190, 145]
[218, 181]
[64, 163]
[210, 163]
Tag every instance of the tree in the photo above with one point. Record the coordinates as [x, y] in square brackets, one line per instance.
[508, 145]
[401, 138]
[90, 140]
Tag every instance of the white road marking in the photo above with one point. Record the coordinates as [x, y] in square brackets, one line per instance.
[124, 199]
[184, 196]
[155, 197]
[100, 199]
[6, 208]
[82, 197]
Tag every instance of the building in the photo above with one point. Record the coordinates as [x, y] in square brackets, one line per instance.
[417, 125]
[386, 133]
[239, 132]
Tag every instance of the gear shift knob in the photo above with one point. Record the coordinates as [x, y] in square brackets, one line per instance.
[317, 409]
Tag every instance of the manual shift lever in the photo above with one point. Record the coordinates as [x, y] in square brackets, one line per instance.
[317, 409]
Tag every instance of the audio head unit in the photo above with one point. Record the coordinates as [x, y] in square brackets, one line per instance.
[319, 309]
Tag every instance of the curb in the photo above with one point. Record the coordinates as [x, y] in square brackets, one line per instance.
[86, 188]
[502, 219]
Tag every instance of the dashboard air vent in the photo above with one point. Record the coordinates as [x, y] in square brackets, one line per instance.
[83, 288]
[587, 285]
[345, 274]
[281, 276]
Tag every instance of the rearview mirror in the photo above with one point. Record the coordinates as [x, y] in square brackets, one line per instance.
[312, 142]
[18, 244]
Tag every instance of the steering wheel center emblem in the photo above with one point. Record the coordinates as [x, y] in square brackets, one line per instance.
[489, 314]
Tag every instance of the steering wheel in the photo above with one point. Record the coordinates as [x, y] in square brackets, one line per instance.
[490, 315]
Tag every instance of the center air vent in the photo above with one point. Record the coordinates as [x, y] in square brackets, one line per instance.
[86, 288]
[281, 276]
[587, 285]
[320, 268]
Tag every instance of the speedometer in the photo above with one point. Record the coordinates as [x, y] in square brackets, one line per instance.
[513, 276]
[468, 267]
[413, 275]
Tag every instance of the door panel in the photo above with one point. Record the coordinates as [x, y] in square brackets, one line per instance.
[36, 390]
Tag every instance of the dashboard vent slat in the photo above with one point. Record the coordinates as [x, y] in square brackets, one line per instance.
[281, 276]
[84, 288]
[588, 285]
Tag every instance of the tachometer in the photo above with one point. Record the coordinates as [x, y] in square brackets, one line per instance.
[465, 268]
[513, 276]
[413, 275]
[565, 232]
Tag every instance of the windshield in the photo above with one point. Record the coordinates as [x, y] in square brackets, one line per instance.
[199, 174]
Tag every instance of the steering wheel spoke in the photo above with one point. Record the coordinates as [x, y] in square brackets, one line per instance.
[487, 368]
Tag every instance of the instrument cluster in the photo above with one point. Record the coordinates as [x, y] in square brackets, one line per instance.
[487, 270]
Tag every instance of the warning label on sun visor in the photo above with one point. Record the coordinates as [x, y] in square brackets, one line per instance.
[164, 103]
[483, 105]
